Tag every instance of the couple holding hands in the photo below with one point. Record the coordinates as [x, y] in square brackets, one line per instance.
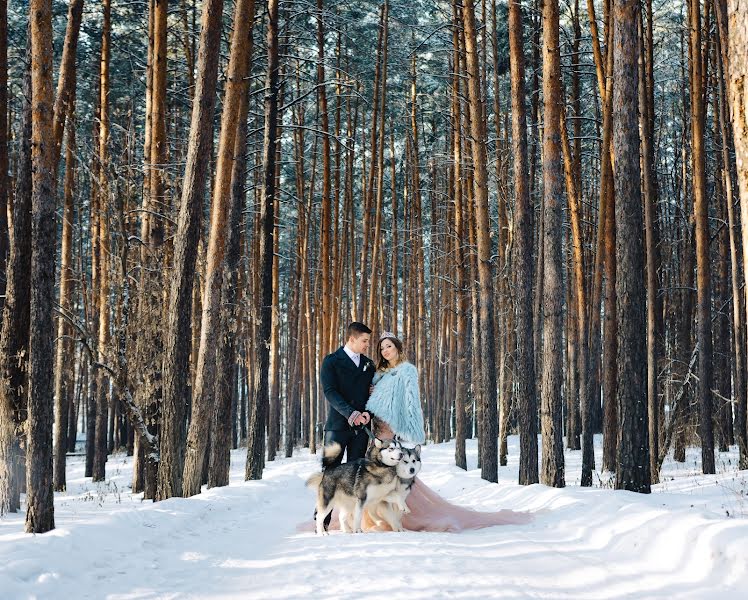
[384, 394]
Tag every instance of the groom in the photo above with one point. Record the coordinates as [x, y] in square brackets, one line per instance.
[346, 375]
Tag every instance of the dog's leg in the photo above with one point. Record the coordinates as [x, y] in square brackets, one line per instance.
[322, 512]
[357, 516]
[391, 516]
[343, 520]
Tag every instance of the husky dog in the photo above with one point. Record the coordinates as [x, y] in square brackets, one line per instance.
[353, 486]
[392, 507]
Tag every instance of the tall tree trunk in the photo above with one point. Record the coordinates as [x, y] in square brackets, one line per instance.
[39, 491]
[202, 404]
[177, 347]
[633, 444]
[220, 459]
[738, 96]
[738, 315]
[701, 217]
[64, 375]
[459, 242]
[652, 257]
[488, 441]
[552, 427]
[575, 209]
[523, 251]
[100, 451]
[14, 339]
[4, 179]
[258, 414]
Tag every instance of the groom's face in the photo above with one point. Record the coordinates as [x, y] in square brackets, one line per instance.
[360, 344]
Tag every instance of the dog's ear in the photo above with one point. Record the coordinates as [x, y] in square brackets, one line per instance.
[418, 450]
[378, 443]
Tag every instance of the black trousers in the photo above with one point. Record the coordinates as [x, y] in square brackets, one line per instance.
[352, 441]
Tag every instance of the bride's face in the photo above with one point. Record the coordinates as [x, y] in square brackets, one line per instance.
[389, 351]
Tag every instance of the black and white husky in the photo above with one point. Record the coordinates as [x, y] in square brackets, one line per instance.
[353, 486]
[392, 507]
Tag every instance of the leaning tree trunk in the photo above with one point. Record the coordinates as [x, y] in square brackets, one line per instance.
[202, 403]
[177, 347]
[39, 492]
[527, 402]
[552, 427]
[632, 467]
[258, 414]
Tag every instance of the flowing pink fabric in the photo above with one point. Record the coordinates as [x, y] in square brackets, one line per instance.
[429, 511]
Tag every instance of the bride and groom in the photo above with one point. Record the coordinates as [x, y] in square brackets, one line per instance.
[383, 394]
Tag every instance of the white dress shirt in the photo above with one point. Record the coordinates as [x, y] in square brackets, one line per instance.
[354, 356]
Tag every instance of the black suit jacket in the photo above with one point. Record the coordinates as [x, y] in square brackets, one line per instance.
[346, 387]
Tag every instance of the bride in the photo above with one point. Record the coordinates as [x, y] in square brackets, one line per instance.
[395, 407]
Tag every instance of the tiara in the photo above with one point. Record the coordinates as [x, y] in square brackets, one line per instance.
[387, 334]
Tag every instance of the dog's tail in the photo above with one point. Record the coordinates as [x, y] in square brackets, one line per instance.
[314, 481]
[330, 455]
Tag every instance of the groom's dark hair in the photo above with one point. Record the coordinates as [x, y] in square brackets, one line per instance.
[357, 329]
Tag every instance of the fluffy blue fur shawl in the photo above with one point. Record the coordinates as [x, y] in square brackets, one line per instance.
[396, 401]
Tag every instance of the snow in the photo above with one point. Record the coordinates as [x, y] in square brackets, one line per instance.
[688, 539]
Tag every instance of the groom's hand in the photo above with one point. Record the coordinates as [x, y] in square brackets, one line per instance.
[366, 418]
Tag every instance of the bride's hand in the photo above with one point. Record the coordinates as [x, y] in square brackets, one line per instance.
[366, 417]
[371, 390]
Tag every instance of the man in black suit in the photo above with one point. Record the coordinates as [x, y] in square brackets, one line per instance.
[346, 376]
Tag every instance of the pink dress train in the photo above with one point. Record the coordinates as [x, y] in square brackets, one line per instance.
[430, 512]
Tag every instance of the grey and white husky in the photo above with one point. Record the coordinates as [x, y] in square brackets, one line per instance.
[392, 507]
[353, 486]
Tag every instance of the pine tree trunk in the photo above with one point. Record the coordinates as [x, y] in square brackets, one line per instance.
[39, 490]
[4, 179]
[202, 404]
[63, 369]
[652, 258]
[738, 314]
[177, 346]
[523, 251]
[738, 96]
[100, 449]
[258, 414]
[14, 340]
[488, 441]
[552, 427]
[701, 217]
[633, 445]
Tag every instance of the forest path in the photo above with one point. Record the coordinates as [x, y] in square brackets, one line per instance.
[241, 541]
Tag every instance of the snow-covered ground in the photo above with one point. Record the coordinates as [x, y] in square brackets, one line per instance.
[689, 539]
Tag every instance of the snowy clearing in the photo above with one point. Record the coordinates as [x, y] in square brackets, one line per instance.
[688, 539]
